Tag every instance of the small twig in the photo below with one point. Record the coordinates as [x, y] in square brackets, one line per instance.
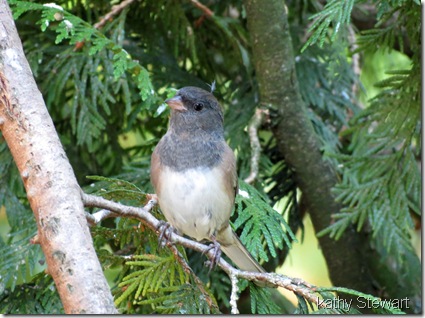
[203, 8]
[142, 214]
[189, 270]
[181, 259]
[256, 121]
[114, 11]
[90, 219]
[234, 295]
[102, 214]
[35, 239]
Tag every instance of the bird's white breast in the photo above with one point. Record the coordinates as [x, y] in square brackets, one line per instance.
[194, 201]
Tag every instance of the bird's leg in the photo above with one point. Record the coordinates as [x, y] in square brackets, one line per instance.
[215, 246]
[165, 230]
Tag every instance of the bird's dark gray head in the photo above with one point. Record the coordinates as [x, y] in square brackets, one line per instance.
[195, 110]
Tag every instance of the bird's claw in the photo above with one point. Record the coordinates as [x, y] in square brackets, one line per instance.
[165, 231]
[213, 261]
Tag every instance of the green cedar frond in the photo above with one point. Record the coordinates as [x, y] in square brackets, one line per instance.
[38, 297]
[155, 272]
[216, 280]
[262, 226]
[76, 30]
[117, 189]
[378, 38]
[326, 80]
[260, 301]
[17, 256]
[162, 285]
[390, 31]
[188, 299]
[335, 12]
[381, 181]
[303, 305]
[77, 83]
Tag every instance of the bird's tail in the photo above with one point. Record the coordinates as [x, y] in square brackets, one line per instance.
[237, 252]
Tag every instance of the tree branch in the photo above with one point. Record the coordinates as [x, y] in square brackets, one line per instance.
[203, 8]
[234, 295]
[116, 9]
[51, 186]
[256, 121]
[272, 279]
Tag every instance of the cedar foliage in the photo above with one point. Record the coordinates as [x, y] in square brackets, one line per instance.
[105, 88]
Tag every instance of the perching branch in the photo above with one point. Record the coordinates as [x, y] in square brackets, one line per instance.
[293, 284]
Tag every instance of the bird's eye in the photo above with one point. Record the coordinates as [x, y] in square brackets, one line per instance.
[198, 106]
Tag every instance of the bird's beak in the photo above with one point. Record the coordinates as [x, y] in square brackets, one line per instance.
[176, 103]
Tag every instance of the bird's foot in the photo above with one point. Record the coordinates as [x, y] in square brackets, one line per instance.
[213, 261]
[165, 231]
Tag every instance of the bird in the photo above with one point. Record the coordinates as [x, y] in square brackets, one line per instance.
[193, 172]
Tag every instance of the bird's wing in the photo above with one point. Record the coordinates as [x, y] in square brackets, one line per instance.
[155, 171]
[229, 169]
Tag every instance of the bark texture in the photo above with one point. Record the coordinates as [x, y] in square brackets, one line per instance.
[50, 183]
[278, 85]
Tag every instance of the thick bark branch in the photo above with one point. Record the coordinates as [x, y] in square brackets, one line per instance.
[278, 85]
[51, 186]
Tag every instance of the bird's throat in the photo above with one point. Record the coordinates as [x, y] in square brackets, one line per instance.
[182, 152]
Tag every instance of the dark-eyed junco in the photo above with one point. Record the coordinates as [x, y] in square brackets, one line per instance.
[194, 174]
